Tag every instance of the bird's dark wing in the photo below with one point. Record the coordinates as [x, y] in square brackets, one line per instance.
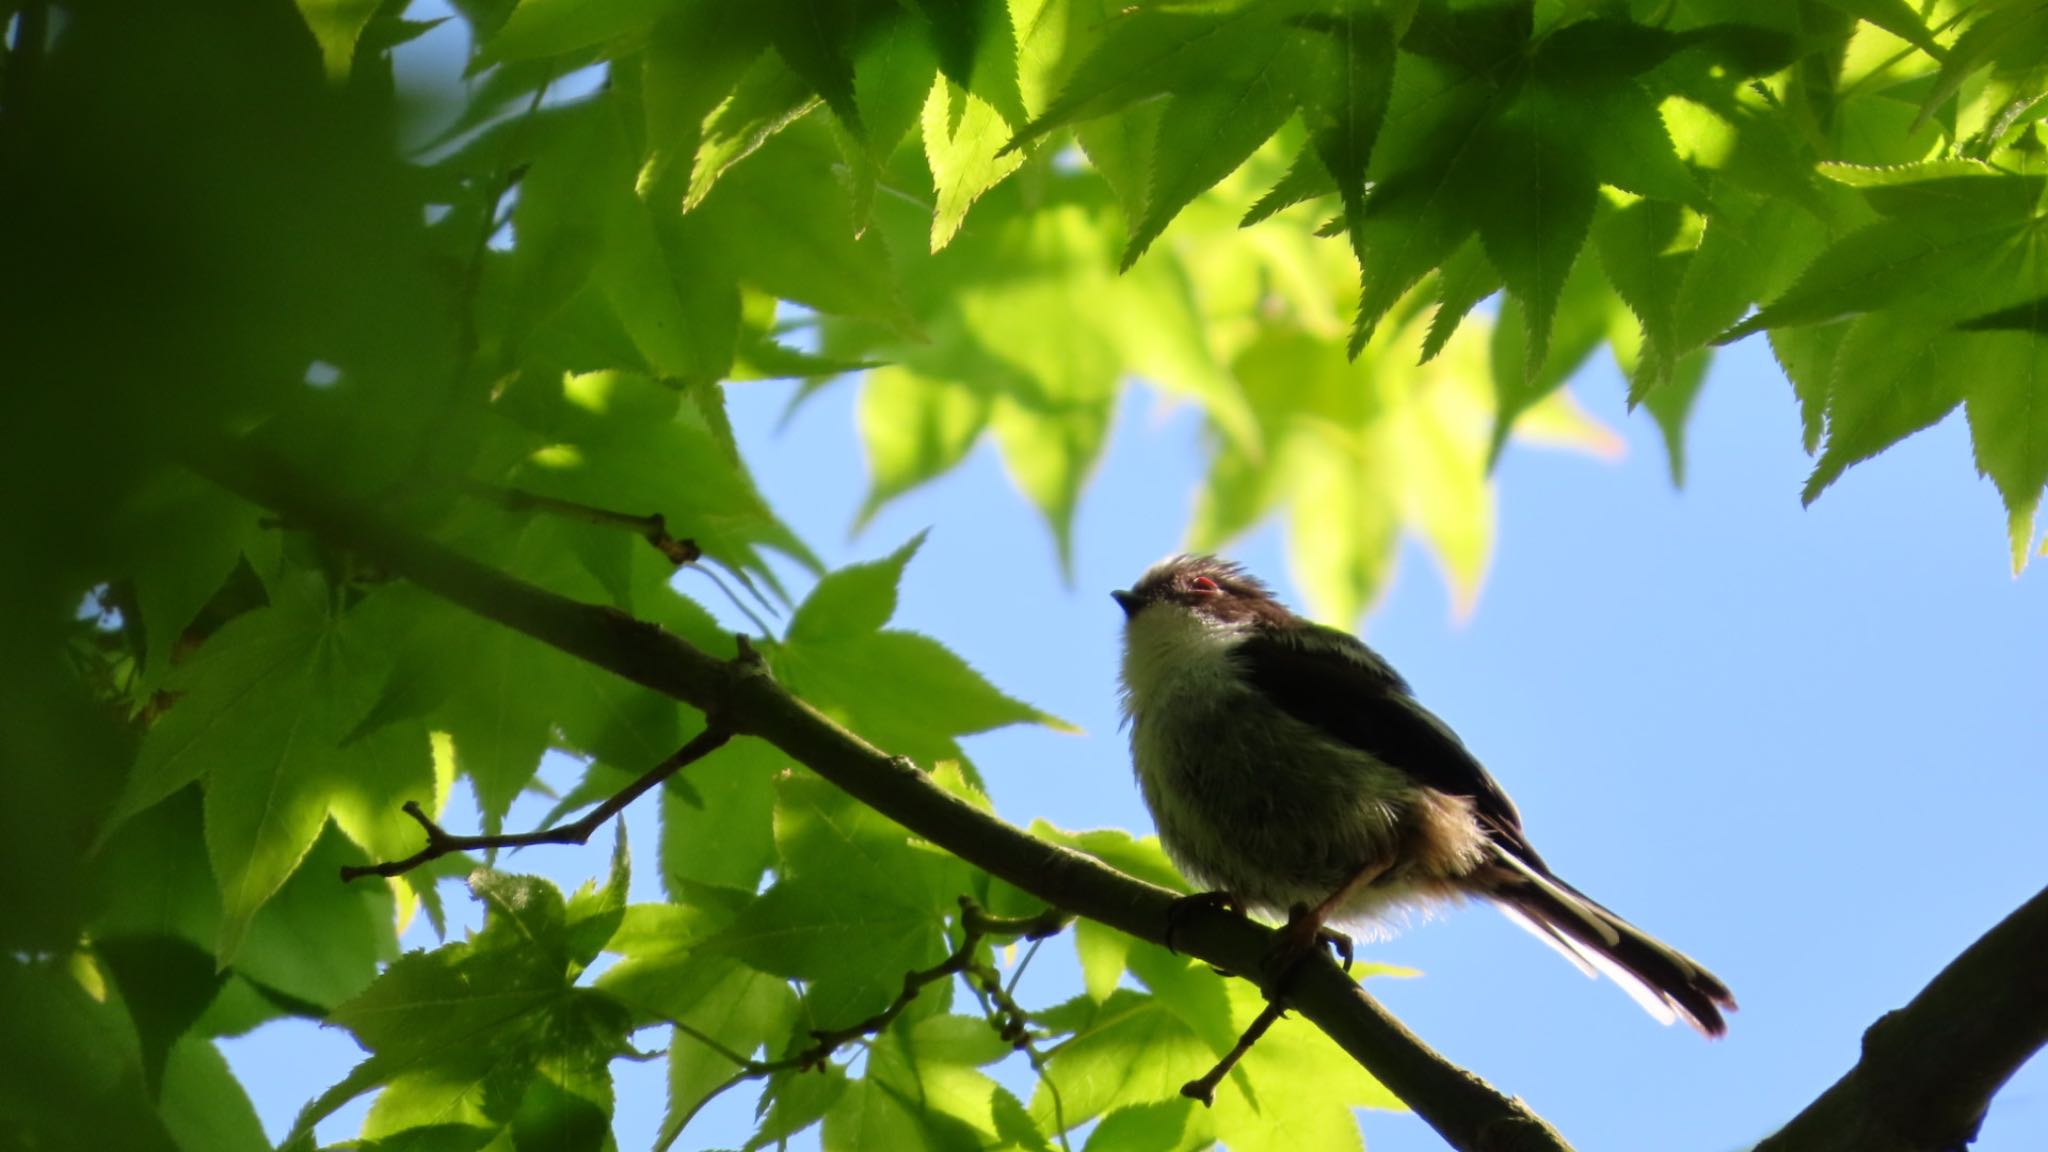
[1331, 680]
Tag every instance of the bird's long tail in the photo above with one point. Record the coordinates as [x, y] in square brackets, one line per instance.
[1667, 983]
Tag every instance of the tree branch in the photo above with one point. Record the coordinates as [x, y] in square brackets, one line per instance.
[1929, 1069]
[1467, 1112]
[441, 842]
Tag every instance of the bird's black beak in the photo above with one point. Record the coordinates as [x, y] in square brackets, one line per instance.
[1127, 601]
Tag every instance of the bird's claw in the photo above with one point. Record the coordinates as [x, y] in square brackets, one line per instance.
[1303, 933]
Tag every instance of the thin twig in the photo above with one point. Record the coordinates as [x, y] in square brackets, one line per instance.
[976, 925]
[441, 842]
[1203, 1088]
[652, 527]
[1013, 1024]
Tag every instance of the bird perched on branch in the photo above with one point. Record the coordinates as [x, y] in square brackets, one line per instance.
[1290, 768]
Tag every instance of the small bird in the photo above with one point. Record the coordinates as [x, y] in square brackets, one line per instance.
[1290, 768]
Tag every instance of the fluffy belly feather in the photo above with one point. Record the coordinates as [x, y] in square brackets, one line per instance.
[1241, 808]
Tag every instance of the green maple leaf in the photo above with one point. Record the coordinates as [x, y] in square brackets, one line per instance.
[903, 690]
[1296, 1093]
[1130, 1049]
[743, 1010]
[2010, 39]
[855, 907]
[268, 710]
[922, 1090]
[1938, 289]
[488, 1034]
[1231, 75]
[1510, 138]
[1646, 248]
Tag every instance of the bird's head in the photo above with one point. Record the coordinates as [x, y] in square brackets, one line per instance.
[1212, 590]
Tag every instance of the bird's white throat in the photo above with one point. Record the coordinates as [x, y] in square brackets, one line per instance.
[1170, 651]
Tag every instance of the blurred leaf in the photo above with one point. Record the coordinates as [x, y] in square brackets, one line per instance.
[205, 1108]
[166, 983]
[915, 430]
[74, 1065]
[782, 218]
[990, 300]
[189, 537]
[553, 27]
[336, 24]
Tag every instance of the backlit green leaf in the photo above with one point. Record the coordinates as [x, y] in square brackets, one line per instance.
[854, 600]
[513, 1046]
[962, 133]
[1131, 1049]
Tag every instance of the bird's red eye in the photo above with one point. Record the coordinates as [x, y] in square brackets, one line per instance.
[1204, 584]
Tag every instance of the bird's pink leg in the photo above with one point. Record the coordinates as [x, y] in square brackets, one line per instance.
[1306, 927]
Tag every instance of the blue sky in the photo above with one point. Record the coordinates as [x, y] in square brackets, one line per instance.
[1804, 746]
